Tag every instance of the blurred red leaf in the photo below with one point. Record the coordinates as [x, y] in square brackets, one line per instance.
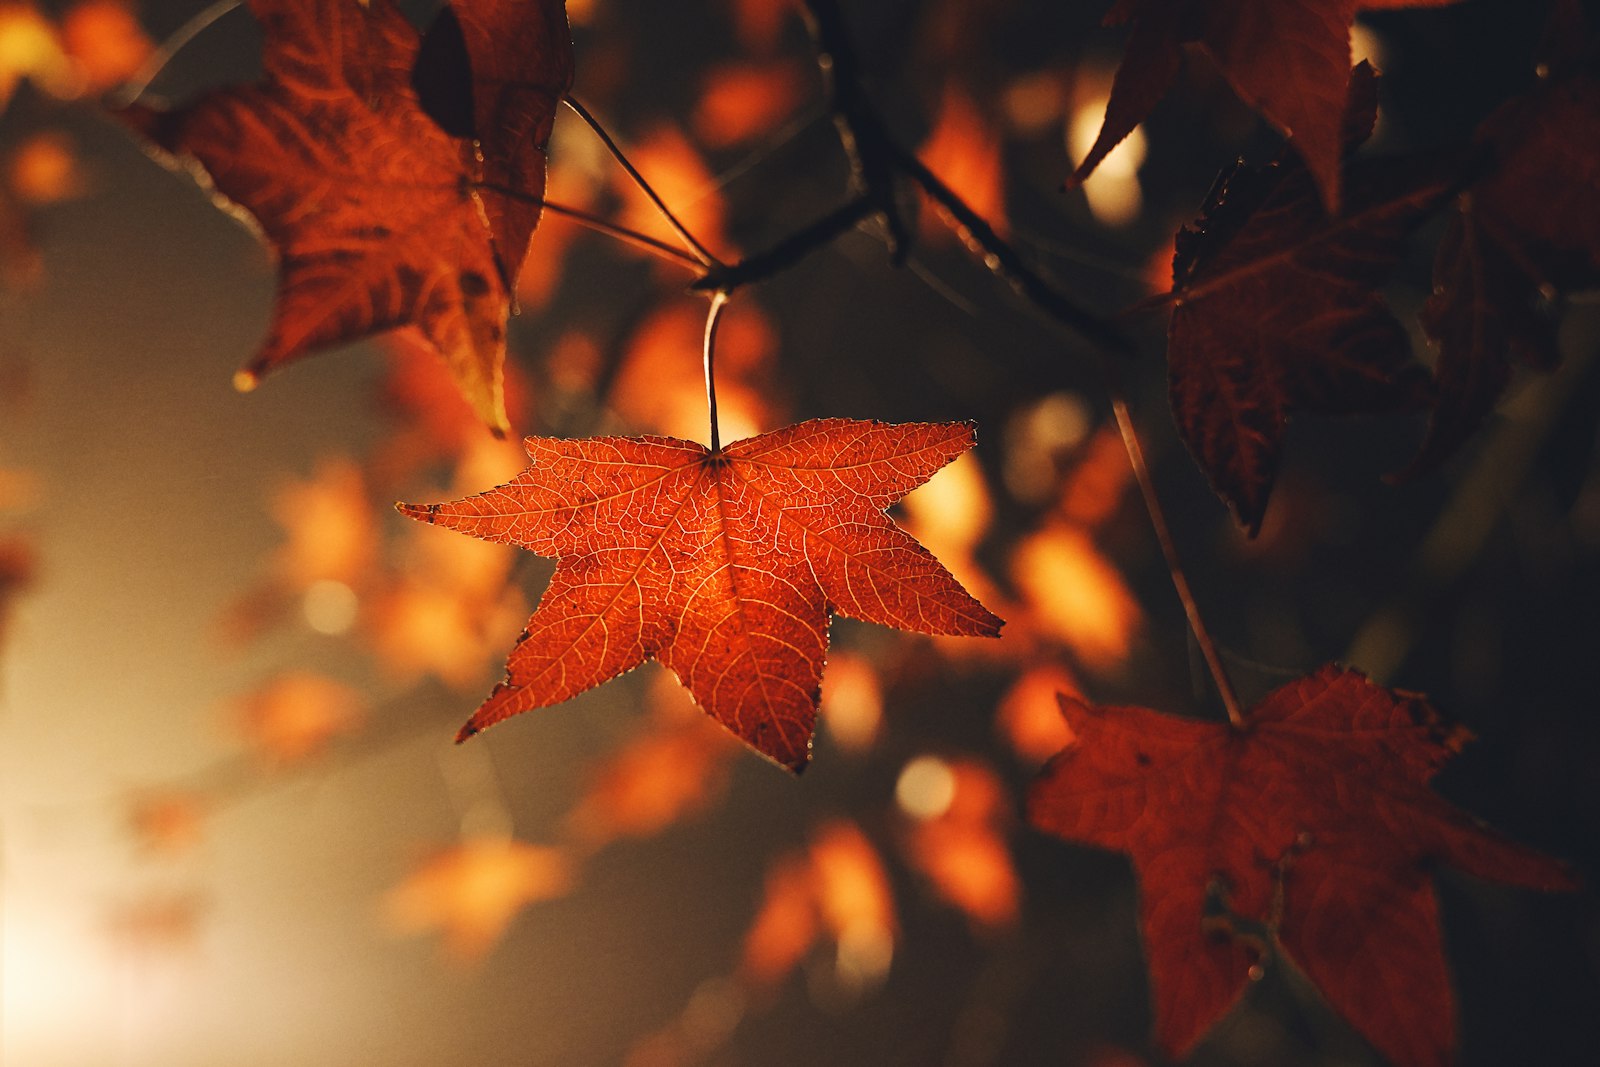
[1529, 230]
[963, 149]
[1277, 310]
[837, 887]
[376, 213]
[741, 101]
[675, 768]
[471, 891]
[723, 566]
[1287, 59]
[962, 851]
[106, 42]
[1312, 826]
[167, 822]
[296, 715]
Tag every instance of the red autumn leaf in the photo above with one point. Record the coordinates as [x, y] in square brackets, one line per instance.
[1531, 228]
[1287, 59]
[1313, 823]
[374, 210]
[507, 64]
[1277, 310]
[724, 566]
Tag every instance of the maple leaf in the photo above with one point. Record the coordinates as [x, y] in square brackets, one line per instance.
[376, 213]
[1276, 307]
[724, 566]
[1312, 824]
[1528, 230]
[1289, 60]
[507, 65]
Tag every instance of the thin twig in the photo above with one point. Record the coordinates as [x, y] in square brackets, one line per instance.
[601, 225]
[137, 85]
[1003, 260]
[1180, 581]
[860, 130]
[719, 300]
[789, 251]
[700, 251]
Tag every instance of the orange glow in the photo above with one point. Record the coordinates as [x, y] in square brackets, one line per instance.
[160, 923]
[1094, 488]
[673, 770]
[951, 512]
[573, 363]
[741, 101]
[759, 23]
[852, 701]
[838, 886]
[965, 153]
[785, 926]
[1030, 715]
[660, 387]
[962, 851]
[166, 823]
[30, 49]
[1035, 102]
[970, 868]
[44, 170]
[297, 715]
[1037, 437]
[472, 891]
[106, 42]
[854, 902]
[19, 489]
[571, 184]
[329, 524]
[1076, 596]
[419, 627]
[680, 177]
[432, 421]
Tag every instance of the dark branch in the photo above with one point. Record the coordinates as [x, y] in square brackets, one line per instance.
[877, 159]
[861, 132]
[789, 251]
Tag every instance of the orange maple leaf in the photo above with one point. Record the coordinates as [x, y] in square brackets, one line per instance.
[724, 566]
[1309, 830]
[378, 215]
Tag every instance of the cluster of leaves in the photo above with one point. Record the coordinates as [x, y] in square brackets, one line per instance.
[400, 177]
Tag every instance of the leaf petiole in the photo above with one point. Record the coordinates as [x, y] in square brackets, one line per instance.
[594, 222]
[719, 300]
[701, 253]
[140, 82]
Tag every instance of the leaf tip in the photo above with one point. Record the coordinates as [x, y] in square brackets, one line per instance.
[467, 731]
[421, 512]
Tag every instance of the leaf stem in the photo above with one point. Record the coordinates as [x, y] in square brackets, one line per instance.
[719, 300]
[1169, 550]
[701, 253]
[137, 85]
[594, 222]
